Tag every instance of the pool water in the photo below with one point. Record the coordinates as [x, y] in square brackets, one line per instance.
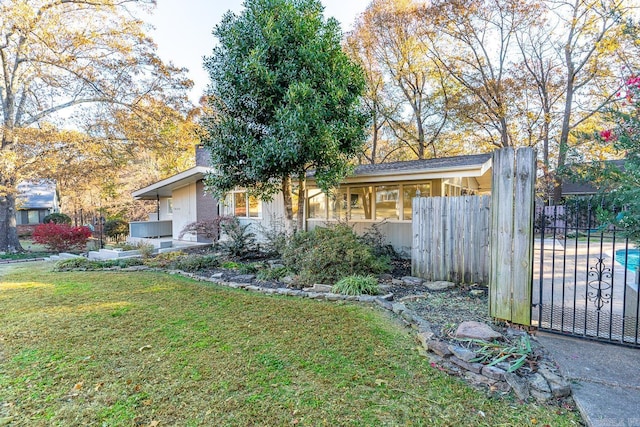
[632, 259]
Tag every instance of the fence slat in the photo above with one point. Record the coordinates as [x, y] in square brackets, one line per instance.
[522, 273]
[501, 233]
[447, 242]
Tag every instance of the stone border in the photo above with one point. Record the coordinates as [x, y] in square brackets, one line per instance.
[543, 385]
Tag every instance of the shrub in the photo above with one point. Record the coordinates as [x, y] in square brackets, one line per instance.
[230, 265]
[163, 260]
[240, 240]
[116, 229]
[57, 218]
[195, 262]
[268, 274]
[146, 250]
[249, 268]
[326, 255]
[357, 285]
[61, 237]
[274, 237]
[209, 229]
[377, 241]
[77, 264]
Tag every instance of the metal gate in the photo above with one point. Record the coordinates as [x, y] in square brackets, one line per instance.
[586, 280]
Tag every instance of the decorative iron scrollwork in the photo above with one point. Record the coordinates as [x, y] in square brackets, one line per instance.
[599, 287]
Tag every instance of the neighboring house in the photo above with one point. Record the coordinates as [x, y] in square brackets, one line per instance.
[35, 200]
[373, 194]
[575, 187]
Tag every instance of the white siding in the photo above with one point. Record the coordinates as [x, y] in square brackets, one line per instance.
[184, 209]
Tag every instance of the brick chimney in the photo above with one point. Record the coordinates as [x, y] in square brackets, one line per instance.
[203, 157]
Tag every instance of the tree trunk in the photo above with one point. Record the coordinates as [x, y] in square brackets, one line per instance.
[288, 205]
[8, 232]
[301, 199]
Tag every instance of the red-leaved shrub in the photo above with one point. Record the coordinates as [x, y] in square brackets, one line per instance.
[61, 237]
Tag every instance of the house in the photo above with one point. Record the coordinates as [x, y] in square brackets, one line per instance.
[574, 186]
[35, 200]
[180, 200]
[373, 194]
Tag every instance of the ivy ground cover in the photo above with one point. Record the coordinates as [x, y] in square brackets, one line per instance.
[152, 349]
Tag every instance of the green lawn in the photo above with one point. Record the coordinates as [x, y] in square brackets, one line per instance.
[32, 250]
[113, 348]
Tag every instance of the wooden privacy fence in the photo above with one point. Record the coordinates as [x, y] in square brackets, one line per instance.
[451, 238]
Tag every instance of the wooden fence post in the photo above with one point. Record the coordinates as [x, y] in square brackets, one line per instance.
[511, 269]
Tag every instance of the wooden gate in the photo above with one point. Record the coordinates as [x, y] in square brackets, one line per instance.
[511, 242]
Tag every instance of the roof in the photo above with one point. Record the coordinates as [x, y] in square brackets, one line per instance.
[474, 165]
[37, 194]
[574, 187]
[165, 187]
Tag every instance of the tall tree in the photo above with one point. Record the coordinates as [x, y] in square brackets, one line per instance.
[412, 92]
[72, 63]
[285, 100]
[593, 31]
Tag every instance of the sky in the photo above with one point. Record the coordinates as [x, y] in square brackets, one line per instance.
[183, 30]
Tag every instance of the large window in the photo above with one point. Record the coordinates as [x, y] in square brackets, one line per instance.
[361, 203]
[240, 204]
[365, 202]
[409, 191]
[387, 198]
[317, 203]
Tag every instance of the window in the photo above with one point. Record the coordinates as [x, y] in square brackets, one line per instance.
[361, 206]
[34, 217]
[338, 206]
[240, 204]
[409, 191]
[387, 197]
[169, 205]
[317, 204]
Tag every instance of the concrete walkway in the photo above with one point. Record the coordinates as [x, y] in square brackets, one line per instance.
[605, 378]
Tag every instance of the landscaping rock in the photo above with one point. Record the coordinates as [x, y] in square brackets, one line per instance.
[476, 368]
[276, 265]
[538, 382]
[540, 396]
[438, 347]
[462, 353]
[244, 278]
[479, 379]
[558, 385]
[398, 307]
[385, 277]
[477, 293]
[424, 337]
[367, 298]
[410, 280]
[493, 372]
[397, 282]
[384, 304]
[519, 385]
[217, 276]
[287, 280]
[385, 288]
[386, 297]
[478, 331]
[440, 285]
[408, 316]
[412, 298]
[319, 288]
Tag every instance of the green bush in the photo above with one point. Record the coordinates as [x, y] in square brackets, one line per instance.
[195, 262]
[357, 285]
[163, 260]
[77, 264]
[251, 268]
[240, 241]
[326, 255]
[122, 263]
[57, 218]
[268, 274]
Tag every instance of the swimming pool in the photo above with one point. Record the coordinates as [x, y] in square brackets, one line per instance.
[632, 259]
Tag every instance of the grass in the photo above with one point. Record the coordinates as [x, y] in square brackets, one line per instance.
[31, 250]
[123, 349]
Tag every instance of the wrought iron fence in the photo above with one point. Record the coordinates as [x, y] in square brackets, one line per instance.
[586, 283]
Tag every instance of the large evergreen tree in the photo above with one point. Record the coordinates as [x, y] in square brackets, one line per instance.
[285, 99]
